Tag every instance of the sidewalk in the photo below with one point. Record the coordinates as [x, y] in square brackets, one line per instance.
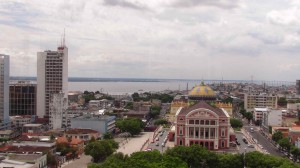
[134, 144]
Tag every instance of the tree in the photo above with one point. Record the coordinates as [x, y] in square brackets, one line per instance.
[100, 150]
[132, 125]
[107, 135]
[277, 136]
[285, 144]
[295, 151]
[161, 122]
[282, 101]
[236, 123]
[129, 105]
[194, 155]
[243, 112]
[248, 116]
[154, 111]
[230, 161]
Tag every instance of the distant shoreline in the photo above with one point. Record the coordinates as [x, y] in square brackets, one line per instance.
[82, 79]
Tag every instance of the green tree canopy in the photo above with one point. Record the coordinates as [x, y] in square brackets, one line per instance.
[100, 150]
[282, 101]
[248, 116]
[236, 123]
[285, 143]
[277, 136]
[132, 125]
[161, 122]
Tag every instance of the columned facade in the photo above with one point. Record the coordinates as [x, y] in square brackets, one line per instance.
[202, 126]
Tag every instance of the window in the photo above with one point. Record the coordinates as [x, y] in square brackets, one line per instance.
[180, 130]
[222, 144]
[222, 132]
[197, 122]
[191, 121]
[207, 122]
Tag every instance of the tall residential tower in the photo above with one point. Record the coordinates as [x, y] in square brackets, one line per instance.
[4, 89]
[52, 77]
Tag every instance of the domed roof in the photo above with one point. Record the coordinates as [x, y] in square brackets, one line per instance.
[202, 91]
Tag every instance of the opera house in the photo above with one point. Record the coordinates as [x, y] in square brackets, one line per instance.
[202, 122]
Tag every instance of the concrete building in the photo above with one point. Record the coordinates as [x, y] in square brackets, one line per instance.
[25, 161]
[33, 128]
[4, 90]
[82, 134]
[258, 113]
[52, 77]
[271, 117]
[100, 123]
[58, 111]
[19, 121]
[293, 106]
[298, 87]
[262, 100]
[22, 99]
[204, 125]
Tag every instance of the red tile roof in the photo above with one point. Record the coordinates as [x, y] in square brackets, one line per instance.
[74, 141]
[24, 149]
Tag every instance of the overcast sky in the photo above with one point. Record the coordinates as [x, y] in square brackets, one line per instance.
[185, 39]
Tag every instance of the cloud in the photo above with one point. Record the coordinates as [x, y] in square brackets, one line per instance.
[224, 4]
[126, 4]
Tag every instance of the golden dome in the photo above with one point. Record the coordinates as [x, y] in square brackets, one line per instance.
[202, 91]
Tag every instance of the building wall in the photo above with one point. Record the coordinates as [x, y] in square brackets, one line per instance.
[4, 88]
[22, 98]
[58, 110]
[97, 125]
[298, 87]
[293, 106]
[52, 77]
[205, 129]
[259, 101]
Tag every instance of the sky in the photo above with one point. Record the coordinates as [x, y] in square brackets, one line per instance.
[170, 39]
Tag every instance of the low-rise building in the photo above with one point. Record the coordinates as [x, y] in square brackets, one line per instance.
[100, 123]
[82, 134]
[76, 143]
[33, 128]
[294, 133]
[293, 106]
[25, 161]
[10, 134]
[19, 121]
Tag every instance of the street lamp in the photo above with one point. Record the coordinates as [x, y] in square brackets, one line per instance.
[245, 157]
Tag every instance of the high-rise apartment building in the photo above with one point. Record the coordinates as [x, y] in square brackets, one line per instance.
[22, 99]
[298, 87]
[52, 77]
[261, 100]
[4, 89]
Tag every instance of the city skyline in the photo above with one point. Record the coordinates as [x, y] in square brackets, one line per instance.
[238, 40]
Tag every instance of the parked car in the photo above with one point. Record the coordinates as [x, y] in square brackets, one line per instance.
[250, 146]
[238, 143]
[157, 144]
[157, 139]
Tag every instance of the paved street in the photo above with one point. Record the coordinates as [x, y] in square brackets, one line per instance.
[160, 141]
[266, 144]
[243, 145]
[78, 163]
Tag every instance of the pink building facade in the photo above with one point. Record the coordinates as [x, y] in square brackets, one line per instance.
[204, 125]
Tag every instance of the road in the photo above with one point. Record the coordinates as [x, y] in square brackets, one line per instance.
[78, 163]
[266, 144]
[243, 145]
[160, 141]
